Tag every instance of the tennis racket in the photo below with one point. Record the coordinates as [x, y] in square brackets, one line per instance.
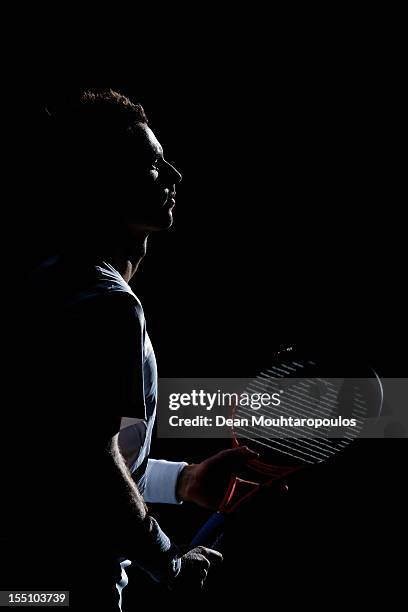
[339, 395]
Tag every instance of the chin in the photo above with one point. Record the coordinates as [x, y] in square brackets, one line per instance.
[164, 221]
[159, 223]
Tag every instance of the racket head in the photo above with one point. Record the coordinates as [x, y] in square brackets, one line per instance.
[325, 387]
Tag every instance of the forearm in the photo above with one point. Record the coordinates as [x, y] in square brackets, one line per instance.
[123, 517]
[128, 500]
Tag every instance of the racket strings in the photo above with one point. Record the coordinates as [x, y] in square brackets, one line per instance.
[304, 398]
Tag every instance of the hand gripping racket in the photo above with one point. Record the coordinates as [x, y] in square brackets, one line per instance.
[339, 396]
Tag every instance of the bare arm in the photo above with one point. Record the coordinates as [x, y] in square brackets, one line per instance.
[128, 494]
[122, 518]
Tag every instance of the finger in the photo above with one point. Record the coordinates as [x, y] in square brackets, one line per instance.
[238, 457]
[248, 451]
[213, 556]
[278, 487]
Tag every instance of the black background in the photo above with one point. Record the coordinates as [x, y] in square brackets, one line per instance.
[288, 230]
[288, 226]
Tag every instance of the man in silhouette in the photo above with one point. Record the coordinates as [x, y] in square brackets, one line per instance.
[79, 464]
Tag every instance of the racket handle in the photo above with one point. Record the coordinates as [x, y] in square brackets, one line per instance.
[209, 531]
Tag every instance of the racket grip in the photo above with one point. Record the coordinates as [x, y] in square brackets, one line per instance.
[209, 531]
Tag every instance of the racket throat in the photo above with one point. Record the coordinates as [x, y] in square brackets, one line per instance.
[238, 490]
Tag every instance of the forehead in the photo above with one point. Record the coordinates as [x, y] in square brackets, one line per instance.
[147, 141]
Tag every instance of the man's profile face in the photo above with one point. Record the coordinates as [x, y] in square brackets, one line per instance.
[150, 184]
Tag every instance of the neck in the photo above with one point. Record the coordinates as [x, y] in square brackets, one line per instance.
[126, 255]
[124, 252]
[127, 260]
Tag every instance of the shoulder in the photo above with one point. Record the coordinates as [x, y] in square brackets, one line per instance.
[103, 285]
[78, 291]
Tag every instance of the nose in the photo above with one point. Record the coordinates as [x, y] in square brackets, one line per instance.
[173, 175]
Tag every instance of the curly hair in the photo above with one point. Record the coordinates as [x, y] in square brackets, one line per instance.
[90, 155]
[96, 118]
